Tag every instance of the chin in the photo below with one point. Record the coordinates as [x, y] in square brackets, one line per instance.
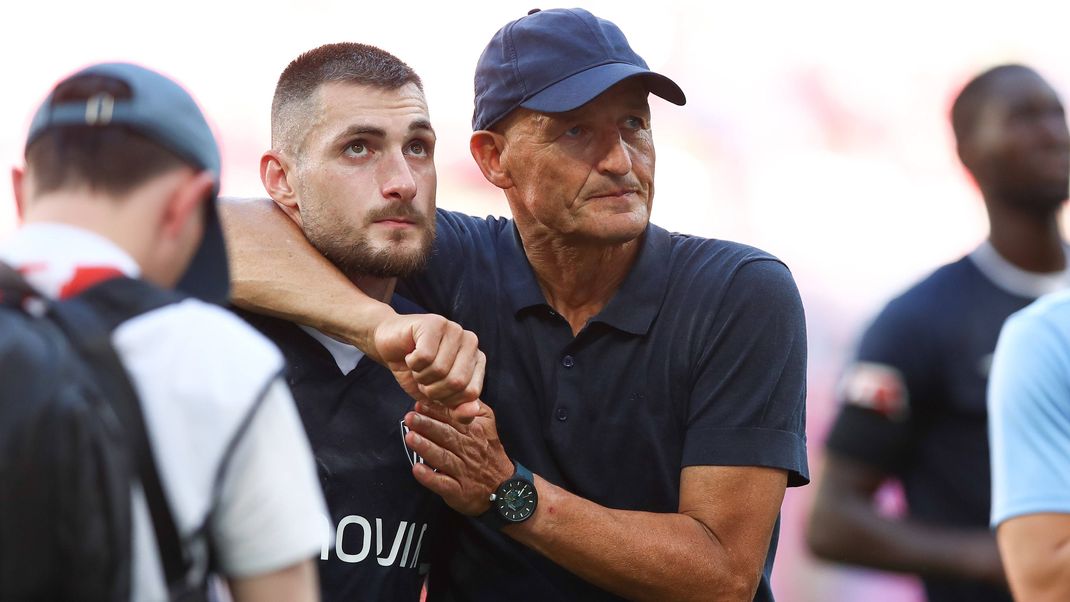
[618, 235]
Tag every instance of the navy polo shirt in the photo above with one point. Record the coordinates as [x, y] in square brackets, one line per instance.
[698, 359]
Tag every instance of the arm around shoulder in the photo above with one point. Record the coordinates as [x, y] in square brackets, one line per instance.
[276, 271]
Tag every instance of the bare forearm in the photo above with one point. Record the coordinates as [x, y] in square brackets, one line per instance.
[638, 555]
[296, 583]
[276, 271]
[1036, 549]
[861, 536]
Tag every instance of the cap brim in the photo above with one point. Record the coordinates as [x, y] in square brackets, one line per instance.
[208, 275]
[579, 89]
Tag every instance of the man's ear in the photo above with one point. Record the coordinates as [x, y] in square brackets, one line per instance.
[275, 171]
[18, 181]
[487, 148]
[187, 199]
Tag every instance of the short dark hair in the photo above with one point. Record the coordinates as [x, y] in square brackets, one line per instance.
[341, 62]
[111, 159]
[974, 94]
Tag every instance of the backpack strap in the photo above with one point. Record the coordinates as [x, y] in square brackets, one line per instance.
[13, 287]
[88, 320]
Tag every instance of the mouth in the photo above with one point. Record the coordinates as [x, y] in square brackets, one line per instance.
[616, 193]
[395, 222]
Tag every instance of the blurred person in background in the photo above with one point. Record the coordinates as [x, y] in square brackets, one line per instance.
[914, 398]
[1029, 408]
[118, 200]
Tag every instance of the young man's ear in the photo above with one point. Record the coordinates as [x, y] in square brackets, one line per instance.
[275, 171]
[487, 148]
[188, 199]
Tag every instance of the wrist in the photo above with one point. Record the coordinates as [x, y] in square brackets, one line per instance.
[513, 501]
[363, 331]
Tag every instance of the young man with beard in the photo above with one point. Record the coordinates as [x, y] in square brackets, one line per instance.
[915, 396]
[352, 165]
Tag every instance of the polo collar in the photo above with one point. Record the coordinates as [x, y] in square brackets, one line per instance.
[634, 306]
[517, 276]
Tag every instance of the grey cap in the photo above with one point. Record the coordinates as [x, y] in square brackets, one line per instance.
[162, 111]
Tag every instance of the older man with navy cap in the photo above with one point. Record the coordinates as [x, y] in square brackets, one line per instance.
[644, 393]
[118, 201]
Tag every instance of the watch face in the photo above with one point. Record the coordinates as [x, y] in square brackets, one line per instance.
[516, 500]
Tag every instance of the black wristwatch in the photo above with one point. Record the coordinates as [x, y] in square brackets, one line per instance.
[514, 501]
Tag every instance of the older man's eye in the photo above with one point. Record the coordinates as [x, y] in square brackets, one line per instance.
[574, 131]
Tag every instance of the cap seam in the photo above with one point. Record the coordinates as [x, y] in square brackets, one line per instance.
[594, 34]
[513, 60]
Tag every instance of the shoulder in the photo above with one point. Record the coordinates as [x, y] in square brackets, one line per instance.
[1038, 336]
[1050, 313]
[454, 223]
[936, 293]
[721, 271]
[719, 260]
[199, 350]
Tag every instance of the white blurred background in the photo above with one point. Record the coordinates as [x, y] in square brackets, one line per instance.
[815, 130]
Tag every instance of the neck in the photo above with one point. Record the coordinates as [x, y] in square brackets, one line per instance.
[110, 218]
[578, 280]
[1030, 241]
[380, 289]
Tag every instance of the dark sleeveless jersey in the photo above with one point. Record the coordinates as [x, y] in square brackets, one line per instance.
[382, 520]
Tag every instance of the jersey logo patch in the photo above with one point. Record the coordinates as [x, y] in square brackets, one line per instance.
[877, 387]
[414, 458]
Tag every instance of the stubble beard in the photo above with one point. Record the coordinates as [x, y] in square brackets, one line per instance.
[351, 251]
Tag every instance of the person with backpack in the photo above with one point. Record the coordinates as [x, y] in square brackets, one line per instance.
[147, 440]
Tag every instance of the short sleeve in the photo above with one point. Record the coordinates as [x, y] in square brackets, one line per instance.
[1029, 418]
[747, 405]
[876, 418]
[271, 512]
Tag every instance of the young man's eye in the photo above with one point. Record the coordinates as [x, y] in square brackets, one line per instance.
[417, 148]
[357, 149]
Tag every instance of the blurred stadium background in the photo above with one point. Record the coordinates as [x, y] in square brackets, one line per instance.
[816, 130]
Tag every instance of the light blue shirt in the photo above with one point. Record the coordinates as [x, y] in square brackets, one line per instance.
[1029, 411]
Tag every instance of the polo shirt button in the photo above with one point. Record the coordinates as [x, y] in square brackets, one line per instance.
[562, 414]
[567, 361]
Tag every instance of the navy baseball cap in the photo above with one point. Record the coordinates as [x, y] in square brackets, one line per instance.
[557, 60]
[163, 112]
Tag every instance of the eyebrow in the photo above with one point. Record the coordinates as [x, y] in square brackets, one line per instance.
[360, 129]
[421, 124]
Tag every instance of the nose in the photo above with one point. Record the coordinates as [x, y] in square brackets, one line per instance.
[398, 181]
[615, 157]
